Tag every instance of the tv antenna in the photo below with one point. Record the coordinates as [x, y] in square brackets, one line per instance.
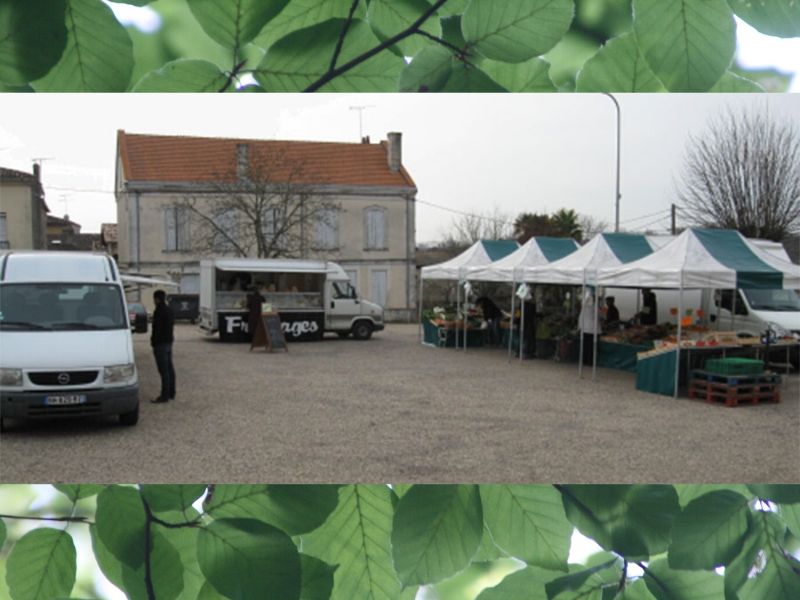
[40, 160]
[361, 110]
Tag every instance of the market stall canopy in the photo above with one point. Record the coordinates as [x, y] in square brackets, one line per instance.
[481, 253]
[706, 258]
[536, 251]
[603, 250]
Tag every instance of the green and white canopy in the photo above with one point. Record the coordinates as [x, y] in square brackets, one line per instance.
[705, 258]
[481, 253]
[536, 251]
[581, 267]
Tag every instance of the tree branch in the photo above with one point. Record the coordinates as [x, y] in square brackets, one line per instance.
[56, 519]
[148, 572]
[459, 51]
[232, 76]
[342, 34]
[412, 29]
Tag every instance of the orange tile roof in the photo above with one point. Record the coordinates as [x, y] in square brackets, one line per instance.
[168, 158]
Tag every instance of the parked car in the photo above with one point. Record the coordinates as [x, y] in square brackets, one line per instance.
[137, 315]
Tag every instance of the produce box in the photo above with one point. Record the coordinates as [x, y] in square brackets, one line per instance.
[734, 366]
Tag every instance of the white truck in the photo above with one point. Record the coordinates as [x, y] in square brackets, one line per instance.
[65, 338]
[311, 297]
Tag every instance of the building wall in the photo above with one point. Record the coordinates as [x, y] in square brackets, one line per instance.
[397, 260]
[17, 202]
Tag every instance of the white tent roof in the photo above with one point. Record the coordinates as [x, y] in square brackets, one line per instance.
[536, 251]
[477, 255]
[603, 250]
[706, 258]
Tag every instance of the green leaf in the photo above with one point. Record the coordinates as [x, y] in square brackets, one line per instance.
[78, 491]
[635, 591]
[98, 56]
[3, 533]
[667, 584]
[453, 7]
[389, 17]
[357, 538]
[581, 582]
[689, 44]
[234, 23]
[772, 17]
[516, 30]
[737, 571]
[162, 497]
[208, 592]
[245, 558]
[469, 78]
[184, 541]
[32, 38]
[120, 521]
[782, 494]
[529, 523]
[133, 2]
[316, 578]
[41, 565]
[689, 491]
[488, 550]
[301, 58]
[428, 71]
[299, 14]
[618, 67]
[730, 83]
[183, 75]
[632, 520]
[166, 571]
[525, 584]
[435, 532]
[451, 33]
[779, 579]
[791, 515]
[710, 531]
[530, 76]
[295, 509]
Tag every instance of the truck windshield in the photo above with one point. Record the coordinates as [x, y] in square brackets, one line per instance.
[61, 306]
[774, 300]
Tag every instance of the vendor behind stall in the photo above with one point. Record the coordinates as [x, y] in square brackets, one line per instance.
[611, 322]
[492, 315]
[649, 314]
[589, 321]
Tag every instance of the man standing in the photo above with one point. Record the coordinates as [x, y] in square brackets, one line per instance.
[649, 314]
[161, 339]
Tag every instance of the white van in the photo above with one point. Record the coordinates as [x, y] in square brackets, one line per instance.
[312, 297]
[65, 338]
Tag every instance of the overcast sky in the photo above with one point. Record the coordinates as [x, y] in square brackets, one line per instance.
[515, 152]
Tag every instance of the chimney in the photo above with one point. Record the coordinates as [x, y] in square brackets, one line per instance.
[395, 154]
[242, 161]
[37, 172]
[365, 139]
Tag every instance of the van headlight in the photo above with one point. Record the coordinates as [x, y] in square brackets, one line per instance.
[118, 373]
[11, 377]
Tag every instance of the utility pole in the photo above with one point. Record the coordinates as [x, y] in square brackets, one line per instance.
[619, 129]
[361, 110]
[673, 229]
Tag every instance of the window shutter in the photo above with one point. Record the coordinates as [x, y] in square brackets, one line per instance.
[169, 229]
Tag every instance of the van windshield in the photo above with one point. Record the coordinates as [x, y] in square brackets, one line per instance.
[61, 306]
[774, 300]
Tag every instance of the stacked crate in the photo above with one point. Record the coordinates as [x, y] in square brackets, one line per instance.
[734, 381]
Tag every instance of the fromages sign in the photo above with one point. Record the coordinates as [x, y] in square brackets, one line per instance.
[297, 326]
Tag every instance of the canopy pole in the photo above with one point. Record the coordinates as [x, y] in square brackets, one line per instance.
[458, 309]
[521, 327]
[678, 348]
[733, 309]
[580, 328]
[465, 315]
[511, 321]
[421, 281]
[594, 336]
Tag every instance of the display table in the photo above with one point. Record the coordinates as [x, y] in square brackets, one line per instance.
[445, 337]
[617, 355]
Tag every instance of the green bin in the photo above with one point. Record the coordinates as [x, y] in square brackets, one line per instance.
[734, 366]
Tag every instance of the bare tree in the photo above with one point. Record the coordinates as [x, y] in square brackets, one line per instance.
[466, 229]
[266, 211]
[591, 226]
[744, 173]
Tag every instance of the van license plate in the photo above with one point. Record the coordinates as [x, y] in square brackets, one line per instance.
[65, 400]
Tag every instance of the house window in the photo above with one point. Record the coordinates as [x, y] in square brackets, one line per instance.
[375, 228]
[176, 228]
[326, 229]
[224, 230]
[271, 225]
[4, 243]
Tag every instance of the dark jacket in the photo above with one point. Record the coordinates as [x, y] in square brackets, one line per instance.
[163, 322]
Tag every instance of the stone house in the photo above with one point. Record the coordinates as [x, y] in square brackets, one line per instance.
[368, 225]
[23, 211]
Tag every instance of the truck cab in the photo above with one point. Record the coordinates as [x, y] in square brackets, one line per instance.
[65, 339]
[345, 312]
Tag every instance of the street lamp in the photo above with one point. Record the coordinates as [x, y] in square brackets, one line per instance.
[619, 123]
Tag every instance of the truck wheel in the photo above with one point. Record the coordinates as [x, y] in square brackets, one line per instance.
[362, 330]
[129, 418]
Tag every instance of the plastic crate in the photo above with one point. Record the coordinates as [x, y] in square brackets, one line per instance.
[734, 366]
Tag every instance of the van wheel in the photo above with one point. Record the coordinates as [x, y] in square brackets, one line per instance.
[129, 418]
[362, 330]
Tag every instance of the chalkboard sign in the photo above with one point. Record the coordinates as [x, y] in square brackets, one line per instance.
[269, 333]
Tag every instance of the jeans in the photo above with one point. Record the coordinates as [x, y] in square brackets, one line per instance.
[163, 354]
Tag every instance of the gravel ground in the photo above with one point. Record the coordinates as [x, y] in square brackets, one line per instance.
[393, 410]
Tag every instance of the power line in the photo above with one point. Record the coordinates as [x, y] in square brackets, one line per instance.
[642, 217]
[464, 213]
[82, 190]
